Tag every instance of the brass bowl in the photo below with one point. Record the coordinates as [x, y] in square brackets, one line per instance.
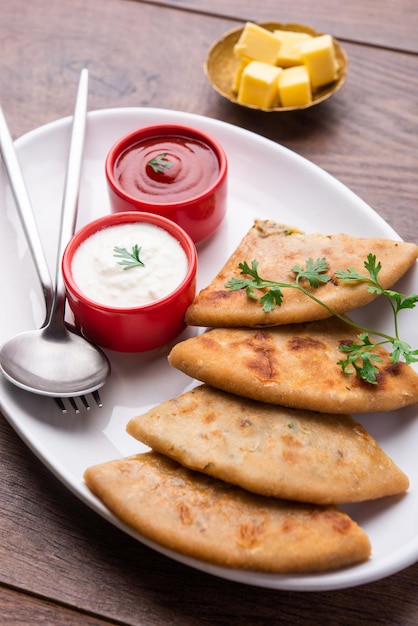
[221, 65]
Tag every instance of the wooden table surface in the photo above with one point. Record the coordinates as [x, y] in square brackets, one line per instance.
[59, 562]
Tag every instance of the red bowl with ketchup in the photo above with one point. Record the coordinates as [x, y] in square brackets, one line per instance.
[129, 279]
[172, 170]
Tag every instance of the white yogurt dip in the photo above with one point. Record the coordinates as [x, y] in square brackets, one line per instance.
[101, 277]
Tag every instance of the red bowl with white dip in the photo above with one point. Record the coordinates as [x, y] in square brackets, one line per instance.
[172, 170]
[129, 279]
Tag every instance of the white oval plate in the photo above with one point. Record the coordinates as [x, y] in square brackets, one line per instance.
[266, 181]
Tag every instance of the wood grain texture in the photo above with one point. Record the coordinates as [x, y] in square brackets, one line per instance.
[60, 562]
[18, 608]
[386, 24]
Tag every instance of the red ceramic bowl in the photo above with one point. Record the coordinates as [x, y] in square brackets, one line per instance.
[133, 328]
[173, 170]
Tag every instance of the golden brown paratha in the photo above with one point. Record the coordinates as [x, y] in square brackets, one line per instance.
[210, 520]
[278, 248]
[270, 450]
[295, 366]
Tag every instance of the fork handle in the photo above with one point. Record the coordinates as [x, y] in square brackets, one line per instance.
[71, 188]
[26, 213]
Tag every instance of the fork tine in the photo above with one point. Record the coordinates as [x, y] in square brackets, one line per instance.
[74, 404]
[97, 399]
[85, 402]
[61, 405]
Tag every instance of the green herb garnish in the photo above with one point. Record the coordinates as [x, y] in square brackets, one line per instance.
[314, 273]
[359, 356]
[160, 163]
[129, 259]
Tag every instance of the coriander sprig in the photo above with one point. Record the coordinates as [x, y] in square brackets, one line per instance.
[129, 259]
[359, 357]
[160, 163]
[314, 273]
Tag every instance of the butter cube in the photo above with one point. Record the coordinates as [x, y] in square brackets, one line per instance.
[318, 55]
[257, 43]
[294, 87]
[289, 53]
[259, 85]
[238, 74]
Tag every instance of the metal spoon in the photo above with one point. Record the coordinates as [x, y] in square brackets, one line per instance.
[52, 361]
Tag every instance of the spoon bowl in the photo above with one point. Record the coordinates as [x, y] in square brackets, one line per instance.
[29, 360]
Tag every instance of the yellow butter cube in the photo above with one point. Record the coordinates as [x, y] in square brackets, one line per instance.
[318, 55]
[238, 74]
[259, 85]
[257, 43]
[289, 53]
[294, 87]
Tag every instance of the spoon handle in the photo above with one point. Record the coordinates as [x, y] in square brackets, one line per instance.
[71, 186]
[25, 210]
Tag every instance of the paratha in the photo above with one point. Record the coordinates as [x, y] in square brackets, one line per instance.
[277, 249]
[270, 450]
[295, 366]
[202, 517]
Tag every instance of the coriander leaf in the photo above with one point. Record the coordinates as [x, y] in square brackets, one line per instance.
[250, 271]
[314, 272]
[160, 163]
[403, 302]
[360, 357]
[270, 299]
[403, 350]
[235, 284]
[376, 289]
[129, 259]
[367, 371]
[350, 274]
[372, 267]
[411, 356]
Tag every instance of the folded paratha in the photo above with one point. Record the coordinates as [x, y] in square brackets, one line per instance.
[295, 366]
[270, 450]
[208, 519]
[279, 248]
